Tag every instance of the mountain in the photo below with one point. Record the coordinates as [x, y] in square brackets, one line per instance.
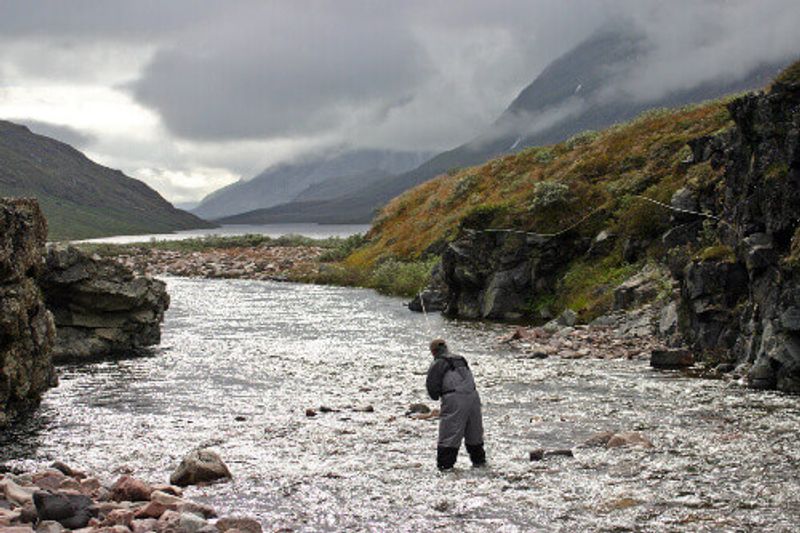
[80, 198]
[573, 94]
[284, 182]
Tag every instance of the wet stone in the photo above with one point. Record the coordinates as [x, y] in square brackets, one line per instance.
[671, 359]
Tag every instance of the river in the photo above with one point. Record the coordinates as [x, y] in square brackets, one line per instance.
[314, 231]
[725, 458]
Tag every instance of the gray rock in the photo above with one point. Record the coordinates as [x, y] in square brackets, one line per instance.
[674, 358]
[568, 318]
[70, 510]
[101, 309]
[27, 332]
[668, 320]
[191, 523]
[198, 467]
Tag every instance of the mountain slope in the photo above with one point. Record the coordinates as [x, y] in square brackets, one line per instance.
[569, 96]
[283, 183]
[80, 198]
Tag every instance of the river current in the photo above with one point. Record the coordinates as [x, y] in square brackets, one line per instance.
[241, 361]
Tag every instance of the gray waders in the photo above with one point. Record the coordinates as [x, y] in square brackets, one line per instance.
[460, 417]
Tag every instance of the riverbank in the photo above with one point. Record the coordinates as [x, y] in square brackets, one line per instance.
[259, 257]
[60, 498]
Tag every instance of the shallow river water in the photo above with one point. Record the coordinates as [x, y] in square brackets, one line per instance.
[725, 458]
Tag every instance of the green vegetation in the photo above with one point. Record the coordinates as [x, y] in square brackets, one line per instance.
[80, 198]
[547, 189]
[717, 252]
[790, 74]
[338, 247]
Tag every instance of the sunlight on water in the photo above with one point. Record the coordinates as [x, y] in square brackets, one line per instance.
[724, 459]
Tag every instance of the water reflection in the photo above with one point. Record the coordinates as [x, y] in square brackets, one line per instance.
[724, 457]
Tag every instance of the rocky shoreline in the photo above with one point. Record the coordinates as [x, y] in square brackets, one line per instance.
[264, 262]
[60, 498]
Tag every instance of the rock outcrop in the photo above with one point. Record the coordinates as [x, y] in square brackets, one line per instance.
[26, 327]
[495, 274]
[742, 295]
[101, 308]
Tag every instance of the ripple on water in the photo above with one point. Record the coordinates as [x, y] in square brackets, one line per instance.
[724, 458]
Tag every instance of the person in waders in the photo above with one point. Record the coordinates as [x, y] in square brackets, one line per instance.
[450, 379]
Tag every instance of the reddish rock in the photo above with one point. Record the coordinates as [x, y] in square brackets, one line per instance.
[152, 510]
[169, 489]
[130, 489]
[90, 486]
[67, 470]
[170, 520]
[599, 440]
[119, 517]
[70, 484]
[206, 511]
[48, 479]
[244, 524]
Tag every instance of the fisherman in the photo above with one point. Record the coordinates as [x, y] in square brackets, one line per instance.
[450, 379]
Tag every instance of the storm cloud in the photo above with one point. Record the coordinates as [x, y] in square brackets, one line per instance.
[192, 94]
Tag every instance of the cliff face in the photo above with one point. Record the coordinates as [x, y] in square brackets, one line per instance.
[27, 331]
[101, 308]
[746, 301]
[736, 267]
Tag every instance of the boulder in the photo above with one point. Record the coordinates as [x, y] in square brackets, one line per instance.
[130, 489]
[672, 358]
[70, 510]
[200, 466]
[101, 309]
[27, 332]
[191, 523]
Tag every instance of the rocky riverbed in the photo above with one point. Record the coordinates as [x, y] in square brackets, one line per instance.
[61, 498]
[242, 362]
[277, 263]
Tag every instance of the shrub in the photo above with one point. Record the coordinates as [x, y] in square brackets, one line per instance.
[400, 278]
[550, 193]
[579, 139]
[482, 216]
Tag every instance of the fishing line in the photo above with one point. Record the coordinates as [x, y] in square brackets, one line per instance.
[425, 313]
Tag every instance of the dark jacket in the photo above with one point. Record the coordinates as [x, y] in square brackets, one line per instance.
[449, 373]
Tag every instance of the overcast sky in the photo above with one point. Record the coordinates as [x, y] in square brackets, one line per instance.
[190, 95]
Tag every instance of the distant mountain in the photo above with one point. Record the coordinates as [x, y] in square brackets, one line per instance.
[80, 198]
[569, 96]
[283, 183]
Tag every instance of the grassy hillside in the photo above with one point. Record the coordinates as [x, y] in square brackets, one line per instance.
[593, 179]
[80, 198]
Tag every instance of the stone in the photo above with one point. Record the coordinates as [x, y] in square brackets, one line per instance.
[169, 521]
[668, 320]
[49, 526]
[169, 500]
[568, 318]
[130, 489]
[637, 290]
[598, 440]
[18, 529]
[418, 408]
[169, 489]
[119, 517]
[70, 510]
[101, 308]
[200, 466]
[628, 438]
[206, 511]
[27, 331]
[144, 525]
[244, 524]
[671, 358]
[67, 470]
[152, 510]
[16, 493]
[90, 486]
[191, 523]
[48, 479]
[311, 412]
[540, 454]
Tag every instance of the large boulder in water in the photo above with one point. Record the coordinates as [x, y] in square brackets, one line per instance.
[27, 332]
[200, 466]
[101, 308]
